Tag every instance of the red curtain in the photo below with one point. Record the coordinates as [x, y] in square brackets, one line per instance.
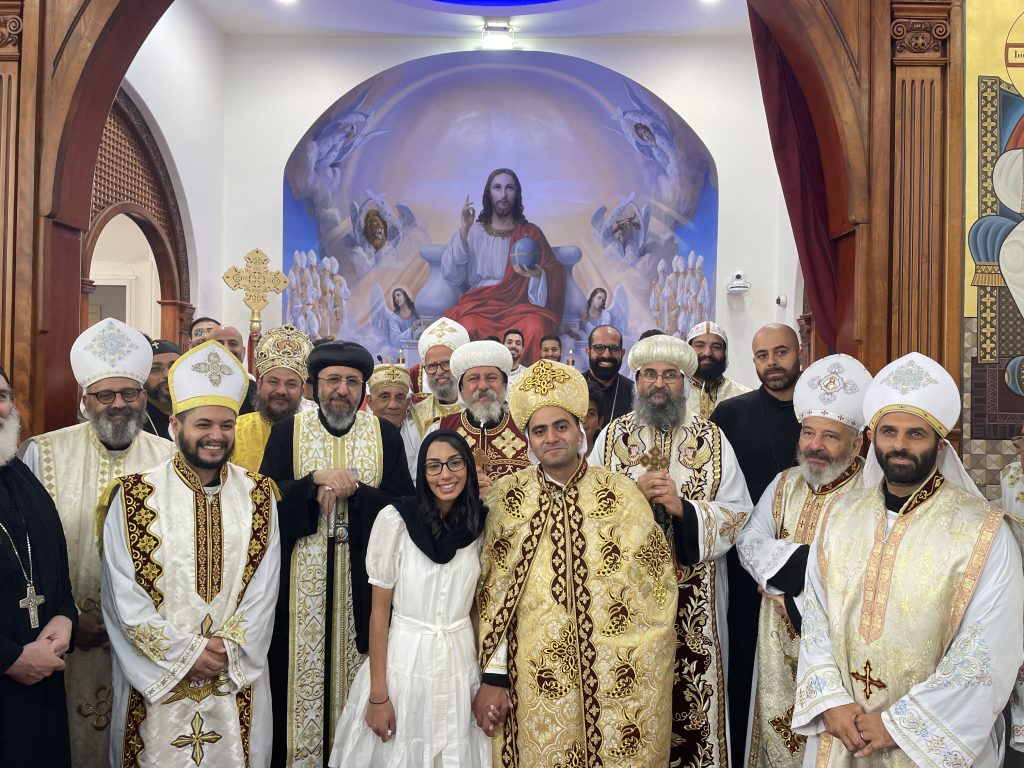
[798, 160]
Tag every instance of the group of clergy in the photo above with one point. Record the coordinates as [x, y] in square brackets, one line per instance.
[204, 599]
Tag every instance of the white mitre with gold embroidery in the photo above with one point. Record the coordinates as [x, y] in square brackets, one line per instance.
[834, 388]
[705, 327]
[442, 332]
[110, 349]
[918, 385]
[207, 375]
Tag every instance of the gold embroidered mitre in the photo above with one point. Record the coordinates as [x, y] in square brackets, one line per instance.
[283, 347]
[207, 375]
[388, 375]
[548, 383]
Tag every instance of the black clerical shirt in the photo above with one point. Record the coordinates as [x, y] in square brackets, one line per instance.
[618, 396]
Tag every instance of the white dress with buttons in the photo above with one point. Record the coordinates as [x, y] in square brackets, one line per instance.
[432, 670]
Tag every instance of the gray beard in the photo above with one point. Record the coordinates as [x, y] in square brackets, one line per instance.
[117, 435]
[338, 418]
[664, 417]
[485, 411]
[445, 393]
[10, 429]
[815, 477]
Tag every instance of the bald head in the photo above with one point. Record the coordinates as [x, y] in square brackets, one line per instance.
[776, 349]
[231, 338]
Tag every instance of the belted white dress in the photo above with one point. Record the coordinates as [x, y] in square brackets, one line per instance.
[432, 668]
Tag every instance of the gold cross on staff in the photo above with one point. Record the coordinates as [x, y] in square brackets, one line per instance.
[655, 460]
[256, 281]
[867, 681]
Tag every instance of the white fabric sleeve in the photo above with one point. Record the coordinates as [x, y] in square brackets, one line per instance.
[30, 455]
[153, 653]
[537, 290]
[455, 259]
[246, 633]
[819, 683]
[721, 520]
[760, 550]
[383, 555]
[948, 717]
[596, 457]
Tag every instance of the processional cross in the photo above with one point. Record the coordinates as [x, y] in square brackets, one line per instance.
[31, 604]
[867, 681]
[256, 281]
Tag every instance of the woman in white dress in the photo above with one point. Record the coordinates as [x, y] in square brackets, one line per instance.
[411, 702]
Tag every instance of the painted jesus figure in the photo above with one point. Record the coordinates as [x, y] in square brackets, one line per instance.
[500, 295]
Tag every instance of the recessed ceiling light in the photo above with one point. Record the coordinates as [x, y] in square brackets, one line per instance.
[498, 34]
[287, 2]
[709, 2]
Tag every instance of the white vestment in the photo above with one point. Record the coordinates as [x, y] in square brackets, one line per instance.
[1011, 483]
[480, 260]
[76, 469]
[914, 614]
[183, 564]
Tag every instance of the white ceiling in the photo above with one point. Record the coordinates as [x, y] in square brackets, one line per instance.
[430, 18]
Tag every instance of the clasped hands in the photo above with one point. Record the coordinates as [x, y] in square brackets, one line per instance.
[42, 657]
[491, 706]
[658, 488]
[333, 484]
[861, 732]
[211, 662]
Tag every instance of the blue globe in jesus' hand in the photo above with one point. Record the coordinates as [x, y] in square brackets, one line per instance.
[525, 254]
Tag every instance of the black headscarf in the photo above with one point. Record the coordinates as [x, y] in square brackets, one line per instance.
[442, 548]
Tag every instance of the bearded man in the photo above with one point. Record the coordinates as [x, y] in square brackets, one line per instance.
[280, 360]
[438, 395]
[709, 385]
[481, 369]
[912, 632]
[190, 574]
[158, 393]
[687, 471]
[111, 362]
[773, 546]
[336, 467]
[37, 611]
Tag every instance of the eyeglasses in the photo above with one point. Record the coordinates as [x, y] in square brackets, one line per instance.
[444, 365]
[454, 464]
[1017, 441]
[107, 396]
[352, 382]
[198, 333]
[669, 377]
[602, 348]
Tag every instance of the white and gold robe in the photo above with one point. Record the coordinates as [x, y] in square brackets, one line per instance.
[576, 611]
[428, 411]
[916, 614]
[182, 565]
[1011, 484]
[776, 537]
[76, 469]
[707, 475]
[703, 398]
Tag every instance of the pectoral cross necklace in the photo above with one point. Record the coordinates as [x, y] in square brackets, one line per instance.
[32, 601]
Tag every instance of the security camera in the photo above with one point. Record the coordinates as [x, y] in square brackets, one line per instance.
[739, 284]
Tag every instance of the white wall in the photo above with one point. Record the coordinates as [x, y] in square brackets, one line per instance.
[177, 81]
[269, 90]
[122, 256]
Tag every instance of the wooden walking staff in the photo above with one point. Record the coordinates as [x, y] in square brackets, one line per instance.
[256, 281]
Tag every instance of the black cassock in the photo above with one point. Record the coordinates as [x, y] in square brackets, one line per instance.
[764, 432]
[298, 513]
[33, 718]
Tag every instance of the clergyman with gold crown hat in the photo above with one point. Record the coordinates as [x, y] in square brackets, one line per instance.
[576, 599]
[688, 472]
[773, 545]
[111, 362]
[388, 397]
[191, 556]
[280, 360]
[912, 634]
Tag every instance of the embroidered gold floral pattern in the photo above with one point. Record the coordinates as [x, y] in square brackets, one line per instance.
[653, 555]
[149, 640]
[142, 542]
[908, 378]
[111, 345]
[235, 628]
[131, 745]
[213, 368]
[98, 710]
[196, 739]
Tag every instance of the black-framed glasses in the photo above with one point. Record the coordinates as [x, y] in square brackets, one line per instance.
[602, 348]
[444, 365]
[107, 396]
[1017, 441]
[352, 382]
[454, 464]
